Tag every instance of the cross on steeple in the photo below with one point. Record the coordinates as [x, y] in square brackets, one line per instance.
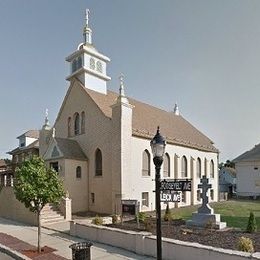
[205, 208]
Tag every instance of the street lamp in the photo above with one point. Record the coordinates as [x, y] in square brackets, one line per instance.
[158, 144]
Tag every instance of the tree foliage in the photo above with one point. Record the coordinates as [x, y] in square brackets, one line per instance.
[35, 185]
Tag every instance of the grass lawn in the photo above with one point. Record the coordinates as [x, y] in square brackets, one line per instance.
[234, 212]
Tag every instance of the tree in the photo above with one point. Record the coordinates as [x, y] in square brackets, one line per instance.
[251, 226]
[35, 185]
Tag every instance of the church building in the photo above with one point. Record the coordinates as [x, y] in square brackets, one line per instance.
[100, 142]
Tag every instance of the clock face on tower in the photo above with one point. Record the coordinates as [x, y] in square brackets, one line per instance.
[92, 63]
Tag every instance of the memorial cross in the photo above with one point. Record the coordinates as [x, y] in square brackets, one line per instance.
[204, 185]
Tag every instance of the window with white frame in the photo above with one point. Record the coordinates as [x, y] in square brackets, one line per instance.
[184, 167]
[146, 163]
[198, 195]
[145, 199]
[211, 169]
[166, 165]
[198, 168]
[211, 194]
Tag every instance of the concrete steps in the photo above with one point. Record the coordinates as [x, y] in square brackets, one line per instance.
[50, 214]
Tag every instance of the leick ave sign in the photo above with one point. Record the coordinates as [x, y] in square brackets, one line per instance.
[170, 189]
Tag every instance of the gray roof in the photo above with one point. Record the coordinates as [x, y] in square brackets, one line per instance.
[30, 133]
[34, 145]
[251, 155]
[70, 149]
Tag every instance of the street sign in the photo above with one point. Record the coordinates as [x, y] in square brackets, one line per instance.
[170, 196]
[176, 185]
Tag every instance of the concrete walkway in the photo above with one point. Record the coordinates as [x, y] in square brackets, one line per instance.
[61, 241]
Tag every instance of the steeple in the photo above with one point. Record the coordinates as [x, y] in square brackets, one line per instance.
[87, 32]
[87, 64]
[122, 98]
[176, 110]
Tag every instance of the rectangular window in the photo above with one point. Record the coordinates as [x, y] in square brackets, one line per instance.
[183, 197]
[145, 199]
[55, 166]
[198, 195]
[92, 197]
[212, 194]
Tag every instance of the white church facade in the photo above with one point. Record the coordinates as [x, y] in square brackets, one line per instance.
[100, 142]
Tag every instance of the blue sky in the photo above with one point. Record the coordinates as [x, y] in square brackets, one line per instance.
[204, 54]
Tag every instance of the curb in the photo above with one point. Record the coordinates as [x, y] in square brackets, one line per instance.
[16, 255]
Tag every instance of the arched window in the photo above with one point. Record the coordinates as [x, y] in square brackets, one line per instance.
[69, 126]
[211, 169]
[166, 165]
[76, 124]
[99, 67]
[92, 63]
[78, 172]
[82, 122]
[184, 167]
[198, 168]
[146, 163]
[98, 163]
[205, 167]
[176, 175]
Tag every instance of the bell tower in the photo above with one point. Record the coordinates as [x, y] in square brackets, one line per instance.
[87, 64]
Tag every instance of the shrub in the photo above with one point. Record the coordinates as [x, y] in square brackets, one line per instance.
[142, 216]
[115, 219]
[148, 223]
[167, 215]
[251, 226]
[97, 220]
[245, 244]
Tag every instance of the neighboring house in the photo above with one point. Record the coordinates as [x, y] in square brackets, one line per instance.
[28, 146]
[6, 174]
[227, 182]
[100, 142]
[248, 173]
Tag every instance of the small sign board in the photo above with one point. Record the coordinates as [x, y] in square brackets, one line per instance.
[176, 185]
[129, 207]
[170, 196]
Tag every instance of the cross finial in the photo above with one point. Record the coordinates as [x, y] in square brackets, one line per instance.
[46, 117]
[122, 88]
[87, 16]
[176, 109]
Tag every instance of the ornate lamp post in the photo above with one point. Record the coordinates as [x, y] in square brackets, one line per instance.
[158, 144]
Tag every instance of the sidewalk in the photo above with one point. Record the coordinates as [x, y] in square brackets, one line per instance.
[27, 235]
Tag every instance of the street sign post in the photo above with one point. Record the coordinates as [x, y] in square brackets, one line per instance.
[170, 196]
[171, 189]
[176, 185]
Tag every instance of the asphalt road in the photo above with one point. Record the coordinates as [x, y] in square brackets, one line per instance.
[5, 257]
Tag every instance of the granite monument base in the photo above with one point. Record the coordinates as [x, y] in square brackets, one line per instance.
[206, 221]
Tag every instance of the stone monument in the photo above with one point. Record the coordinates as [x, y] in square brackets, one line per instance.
[205, 216]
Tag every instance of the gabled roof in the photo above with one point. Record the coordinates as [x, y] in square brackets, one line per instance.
[30, 133]
[70, 149]
[34, 144]
[146, 118]
[251, 155]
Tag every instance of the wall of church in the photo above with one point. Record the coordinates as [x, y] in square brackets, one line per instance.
[77, 187]
[97, 135]
[141, 183]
